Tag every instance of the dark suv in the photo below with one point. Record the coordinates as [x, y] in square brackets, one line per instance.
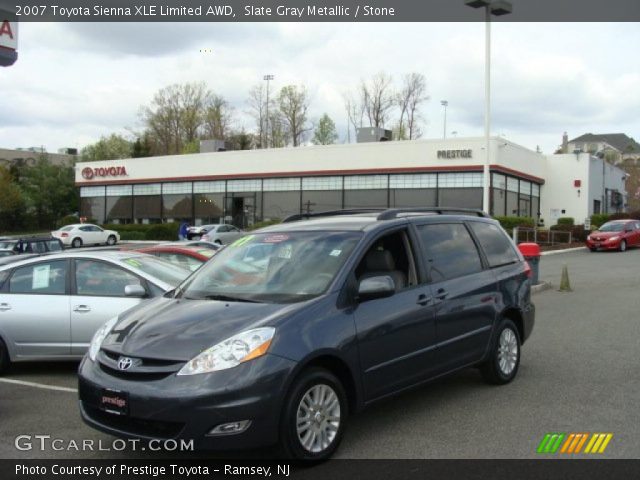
[327, 316]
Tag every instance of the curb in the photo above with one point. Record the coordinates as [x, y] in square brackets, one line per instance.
[540, 287]
[566, 250]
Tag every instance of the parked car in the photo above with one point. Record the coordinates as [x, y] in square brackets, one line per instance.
[86, 234]
[32, 245]
[190, 258]
[348, 310]
[201, 243]
[222, 234]
[51, 305]
[5, 252]
[615, 235]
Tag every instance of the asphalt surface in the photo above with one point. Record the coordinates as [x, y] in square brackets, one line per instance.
[579, 373]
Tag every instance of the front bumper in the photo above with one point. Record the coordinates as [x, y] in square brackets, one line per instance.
[188, 407]
[604, 245]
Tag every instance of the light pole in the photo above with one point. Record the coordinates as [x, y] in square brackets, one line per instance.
[445, 104]
[268, 78]
[497, 8]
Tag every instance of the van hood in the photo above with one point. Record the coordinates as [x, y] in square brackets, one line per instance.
[179, 329]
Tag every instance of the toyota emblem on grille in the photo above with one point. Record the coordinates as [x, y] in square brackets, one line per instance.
[125, 363]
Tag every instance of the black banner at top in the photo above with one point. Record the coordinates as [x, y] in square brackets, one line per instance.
[322, 10]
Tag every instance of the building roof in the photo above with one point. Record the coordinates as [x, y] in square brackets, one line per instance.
[620, 141]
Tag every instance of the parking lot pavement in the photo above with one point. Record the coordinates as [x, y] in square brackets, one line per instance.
[578, 374]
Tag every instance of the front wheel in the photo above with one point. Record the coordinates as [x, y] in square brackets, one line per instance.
[314, 416]
[623, 246]
[111, 240]
[504, 358]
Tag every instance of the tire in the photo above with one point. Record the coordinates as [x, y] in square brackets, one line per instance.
[76, 243]
[111, 240]
[623, 246]
[4, 357]
[218, 242]
[308, 387]
[504, 357]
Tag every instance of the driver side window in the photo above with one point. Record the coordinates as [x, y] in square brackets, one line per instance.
[392, 256]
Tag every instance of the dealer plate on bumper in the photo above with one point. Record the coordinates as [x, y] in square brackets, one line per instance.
[114, 401]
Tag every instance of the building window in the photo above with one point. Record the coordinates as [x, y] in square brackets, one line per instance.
[93, 208]
[413, 197]
[365, 199]
[457, 180]
[596, 207]
[366, 182]
[322, 183]
[280, 184]
[209, 187]
[321, 201]
[280, 205]
[148, 189]
[460, 197]
[209, 208]
[182, 187]
[244, 185]
[429, 180]
[91, 191]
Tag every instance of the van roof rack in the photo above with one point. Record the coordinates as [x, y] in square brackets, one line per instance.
[396, 212]
[389, 213]
[331, 213]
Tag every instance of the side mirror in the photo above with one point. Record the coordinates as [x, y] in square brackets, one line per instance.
[376, 287]
[135, 291]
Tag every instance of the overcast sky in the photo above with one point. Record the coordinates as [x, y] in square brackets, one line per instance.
[73, 83]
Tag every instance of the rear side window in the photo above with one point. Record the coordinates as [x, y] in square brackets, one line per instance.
[54, 245]
[450, 251]
[43, 278]
[495, 243]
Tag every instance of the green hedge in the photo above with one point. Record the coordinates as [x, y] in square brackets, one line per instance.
[599, 219]
[508, 223]
[566, 221]
[138, 231]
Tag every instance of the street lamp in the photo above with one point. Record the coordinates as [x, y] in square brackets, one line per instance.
[268, 78]
[496, 8]
[445, 104]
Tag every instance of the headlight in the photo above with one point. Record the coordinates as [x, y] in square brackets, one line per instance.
[589, 237]
[99, 336]
[231, 352]
[614, 239]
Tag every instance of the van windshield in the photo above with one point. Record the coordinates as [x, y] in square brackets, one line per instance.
[272, 267]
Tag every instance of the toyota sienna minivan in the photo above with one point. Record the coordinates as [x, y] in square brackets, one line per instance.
[330, 314]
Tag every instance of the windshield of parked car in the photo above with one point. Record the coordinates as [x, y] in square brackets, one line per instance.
[272, 267]
[612, 227]
[160, 269]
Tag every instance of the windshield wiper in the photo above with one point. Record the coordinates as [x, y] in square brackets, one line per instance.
[228, 298]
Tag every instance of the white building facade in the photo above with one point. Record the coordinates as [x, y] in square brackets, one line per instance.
[249, 186]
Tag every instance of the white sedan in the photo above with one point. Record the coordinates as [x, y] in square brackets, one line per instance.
[86, 234]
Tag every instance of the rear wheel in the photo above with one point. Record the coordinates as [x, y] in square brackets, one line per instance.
[76, 243]
[504, 358]
[4, 357]
[218, 242]
[314, 416]
[111, 240]
[623, 246]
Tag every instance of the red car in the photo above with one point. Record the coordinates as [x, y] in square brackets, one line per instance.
[615, 235]
[191, 258]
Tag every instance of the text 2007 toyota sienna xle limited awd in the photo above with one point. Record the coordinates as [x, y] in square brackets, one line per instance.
[289, 330]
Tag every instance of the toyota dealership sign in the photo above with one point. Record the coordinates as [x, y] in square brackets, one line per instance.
[8, 38]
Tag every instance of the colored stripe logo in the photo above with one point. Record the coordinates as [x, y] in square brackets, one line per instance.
[573, 443]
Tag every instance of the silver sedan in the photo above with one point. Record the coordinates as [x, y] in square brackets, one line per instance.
[51, 305]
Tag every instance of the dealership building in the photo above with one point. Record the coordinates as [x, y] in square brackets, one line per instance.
[249, 186]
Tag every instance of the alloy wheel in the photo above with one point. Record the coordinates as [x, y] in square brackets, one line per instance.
[318, 418]
[507, 351]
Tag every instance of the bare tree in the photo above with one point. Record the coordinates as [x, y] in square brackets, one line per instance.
[412, 96]
[293, 103]
[355, 112]
[257, 109]
[378, 99]
[218, 118]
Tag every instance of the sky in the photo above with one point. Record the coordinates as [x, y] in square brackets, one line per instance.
[75, 82]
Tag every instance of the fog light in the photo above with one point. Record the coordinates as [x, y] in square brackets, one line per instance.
[230, 428]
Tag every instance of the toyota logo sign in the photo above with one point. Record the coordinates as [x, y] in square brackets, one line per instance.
[125, 363]
[87, 173]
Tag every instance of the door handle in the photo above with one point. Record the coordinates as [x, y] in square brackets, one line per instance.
[81, 308]
[4, 307]
[423, 299]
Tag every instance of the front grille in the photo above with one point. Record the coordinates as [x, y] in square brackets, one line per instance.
[143, 368]
[131, 375]
[134, 426]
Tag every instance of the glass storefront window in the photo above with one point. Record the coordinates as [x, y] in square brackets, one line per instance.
[365, 198]
[414, 197]
[461, 197]
[177, 207]
[209, 208]
[321, 201]
[92, 208]
[146, 209]
[119, 209]
[279, 205]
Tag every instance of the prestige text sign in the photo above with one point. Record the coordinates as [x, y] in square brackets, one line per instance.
[455, 153]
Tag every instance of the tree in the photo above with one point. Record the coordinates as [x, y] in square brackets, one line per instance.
[175, 116]
[355, 113]
[241, 140]
[410, 98]
[107, 148]
[378, 99]
[12, 203]
[218, 118]
[325, 133]
[293, 103]
[141, 147]
[257, 109]
[50, 192]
